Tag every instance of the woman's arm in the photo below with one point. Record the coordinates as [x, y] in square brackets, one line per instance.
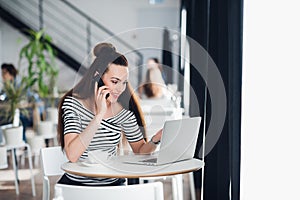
[143, 147]
[76, 144]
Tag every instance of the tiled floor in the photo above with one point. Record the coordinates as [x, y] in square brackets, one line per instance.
[7, 188]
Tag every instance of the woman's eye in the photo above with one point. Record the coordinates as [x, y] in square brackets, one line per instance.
[114, 82]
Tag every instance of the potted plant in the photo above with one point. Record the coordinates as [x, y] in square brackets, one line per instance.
[14, 105]
[42, 68]
[43, 71]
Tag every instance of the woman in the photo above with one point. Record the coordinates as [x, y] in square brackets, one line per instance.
[90, 120]
[154, 85]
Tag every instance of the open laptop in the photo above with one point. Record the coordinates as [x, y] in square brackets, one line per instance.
[178, 143]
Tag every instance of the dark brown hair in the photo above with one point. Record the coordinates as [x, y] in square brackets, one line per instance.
[105, 54]
[158, 63]
[10, 68]
[151, 89]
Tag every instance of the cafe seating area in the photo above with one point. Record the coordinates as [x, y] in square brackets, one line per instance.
[7, 186]
[232, 63]
[44, 158]
[178, 61]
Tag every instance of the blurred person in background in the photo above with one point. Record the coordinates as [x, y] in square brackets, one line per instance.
[153, 86]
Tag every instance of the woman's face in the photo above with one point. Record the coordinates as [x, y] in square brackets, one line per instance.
[115, 79]
[6, 76]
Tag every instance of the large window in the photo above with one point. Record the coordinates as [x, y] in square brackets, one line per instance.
[270, 166]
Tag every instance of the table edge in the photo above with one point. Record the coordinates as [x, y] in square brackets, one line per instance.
[133, 175]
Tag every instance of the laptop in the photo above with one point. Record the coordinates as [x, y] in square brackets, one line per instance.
[178, 142]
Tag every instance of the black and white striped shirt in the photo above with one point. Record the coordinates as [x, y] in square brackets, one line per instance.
[76, 118]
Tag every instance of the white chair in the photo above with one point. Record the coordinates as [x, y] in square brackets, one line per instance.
[13, 149]
[156, 113]
[150, 191]
[46, 129]
[36, 142]
[51, 160]
[3, 158]
[155, 122]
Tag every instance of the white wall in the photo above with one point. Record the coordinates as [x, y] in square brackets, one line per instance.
[121, 16]
[271, 98]
[117, 15]
[129, 19]
[11, 43]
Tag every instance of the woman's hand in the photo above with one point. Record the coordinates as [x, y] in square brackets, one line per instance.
[157, 136]
[100, 100]
[143, 147]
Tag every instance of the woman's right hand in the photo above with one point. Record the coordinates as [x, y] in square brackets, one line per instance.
[100, 100]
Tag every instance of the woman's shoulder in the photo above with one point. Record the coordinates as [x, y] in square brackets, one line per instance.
[72, 102]
[70, 99]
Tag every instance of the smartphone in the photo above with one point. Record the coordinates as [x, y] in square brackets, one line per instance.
[98, 79]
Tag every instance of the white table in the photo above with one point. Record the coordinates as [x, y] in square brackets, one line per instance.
[117, 169]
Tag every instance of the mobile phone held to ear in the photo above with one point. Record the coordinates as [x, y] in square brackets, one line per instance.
[100, 82]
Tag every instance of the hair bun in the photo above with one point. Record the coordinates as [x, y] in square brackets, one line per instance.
[104, 49]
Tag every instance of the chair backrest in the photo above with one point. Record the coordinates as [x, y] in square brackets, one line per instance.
[3, 158]
[52, 158]
[149, 191]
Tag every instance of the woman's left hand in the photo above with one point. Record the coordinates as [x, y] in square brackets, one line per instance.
[157, 136]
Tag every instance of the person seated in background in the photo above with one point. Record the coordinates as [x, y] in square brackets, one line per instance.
[10, 73]
[154, 85]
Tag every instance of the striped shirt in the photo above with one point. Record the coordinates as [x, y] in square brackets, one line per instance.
[76, 118]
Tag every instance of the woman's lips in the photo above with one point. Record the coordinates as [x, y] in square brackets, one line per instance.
[115, 95]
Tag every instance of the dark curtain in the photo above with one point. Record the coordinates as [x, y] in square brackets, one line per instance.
[167, 61]
[217, 26]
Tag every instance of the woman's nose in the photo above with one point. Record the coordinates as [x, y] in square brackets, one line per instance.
[120, 87]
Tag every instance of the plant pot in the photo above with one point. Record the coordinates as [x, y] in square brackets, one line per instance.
[52, 115]
[13, 135]
[45, 128]
[36, 142]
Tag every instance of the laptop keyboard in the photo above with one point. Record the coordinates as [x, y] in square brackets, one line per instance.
[151, 160]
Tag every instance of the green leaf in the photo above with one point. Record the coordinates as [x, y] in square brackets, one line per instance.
[47, 38]
[39, 34]
[42, 70]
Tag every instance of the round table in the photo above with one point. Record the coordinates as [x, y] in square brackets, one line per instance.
[118, 169]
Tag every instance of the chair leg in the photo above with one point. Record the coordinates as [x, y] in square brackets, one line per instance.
[180, 186]
[22, 159]
[174, 188]
[13, 154]
[177, 187]
[192, 186]
[36, 160]
[46, 188]
[30, 166]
